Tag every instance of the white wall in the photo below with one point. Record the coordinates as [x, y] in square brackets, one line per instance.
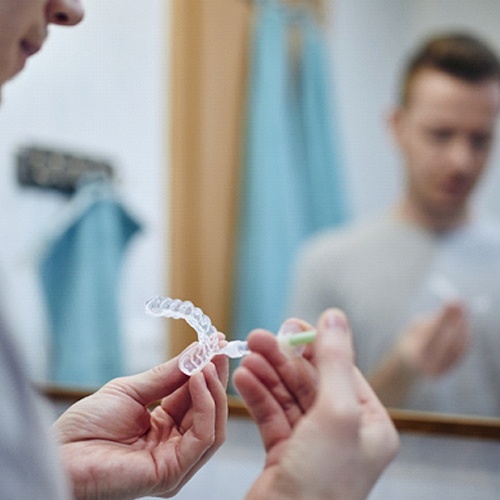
[98, 88]
[369, 39]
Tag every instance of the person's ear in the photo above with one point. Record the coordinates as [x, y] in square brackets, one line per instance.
[396, 123]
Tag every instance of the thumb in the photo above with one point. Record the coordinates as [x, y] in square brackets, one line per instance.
[334, 353]
[151, 385]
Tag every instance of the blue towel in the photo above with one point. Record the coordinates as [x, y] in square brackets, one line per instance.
[323, 186]
[271, 205]
[80, 275]
[292, 184]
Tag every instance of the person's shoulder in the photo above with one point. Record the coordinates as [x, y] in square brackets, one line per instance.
[344, 238]
[484, 231]
[490, 229]
[326, 239]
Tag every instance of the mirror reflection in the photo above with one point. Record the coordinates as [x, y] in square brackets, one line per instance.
[417, 269]
[415, 87]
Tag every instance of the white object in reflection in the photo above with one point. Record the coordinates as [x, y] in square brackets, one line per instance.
[446, 291]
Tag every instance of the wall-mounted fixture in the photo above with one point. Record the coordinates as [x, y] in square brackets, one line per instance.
[55, 169]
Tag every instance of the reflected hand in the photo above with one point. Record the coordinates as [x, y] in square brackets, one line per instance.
[113, 446]
[436, 343]
[325, 432]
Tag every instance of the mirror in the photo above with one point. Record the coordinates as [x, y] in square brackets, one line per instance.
[370, 42]
[367, 40]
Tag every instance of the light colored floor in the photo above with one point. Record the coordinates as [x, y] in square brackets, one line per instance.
[426, 468]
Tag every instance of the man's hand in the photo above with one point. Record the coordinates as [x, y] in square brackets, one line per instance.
[325, 432]
[115, 447]
[436, 343]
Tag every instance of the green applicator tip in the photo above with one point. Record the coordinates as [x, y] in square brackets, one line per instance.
[296, 339]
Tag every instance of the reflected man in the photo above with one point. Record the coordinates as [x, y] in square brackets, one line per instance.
[418, 283]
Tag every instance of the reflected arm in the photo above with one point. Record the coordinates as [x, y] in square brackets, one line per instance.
[431, 346]
[393, 380]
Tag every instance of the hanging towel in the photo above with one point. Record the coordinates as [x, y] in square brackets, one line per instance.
[291, 181]
[80, 276]
[271, 218]
[321, 160]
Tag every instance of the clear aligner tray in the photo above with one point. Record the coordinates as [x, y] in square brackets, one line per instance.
[199, 354]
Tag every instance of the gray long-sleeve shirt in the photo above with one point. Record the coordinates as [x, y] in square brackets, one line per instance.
[386, 271]
[29, 466]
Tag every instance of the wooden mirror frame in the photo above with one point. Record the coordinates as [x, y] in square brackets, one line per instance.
[208, 74]
[405, 421]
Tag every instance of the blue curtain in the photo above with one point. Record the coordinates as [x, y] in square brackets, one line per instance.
[291, 182]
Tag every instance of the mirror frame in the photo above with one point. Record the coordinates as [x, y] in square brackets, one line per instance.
[418, 422]
[405, 421]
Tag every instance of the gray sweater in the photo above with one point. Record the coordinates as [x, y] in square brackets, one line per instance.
[386, 271]
[29, 462]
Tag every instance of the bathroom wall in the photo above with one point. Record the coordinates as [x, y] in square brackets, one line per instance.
[98, 89]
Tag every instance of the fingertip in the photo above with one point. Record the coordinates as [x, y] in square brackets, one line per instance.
[199, 378]
[221, 365]
[455, 309]
[294, 325]
[333, 334]
[287, 330]
[334, 320]
[210, 371]
[261, 340]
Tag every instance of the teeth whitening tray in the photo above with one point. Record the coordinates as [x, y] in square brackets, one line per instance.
[199, 354]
